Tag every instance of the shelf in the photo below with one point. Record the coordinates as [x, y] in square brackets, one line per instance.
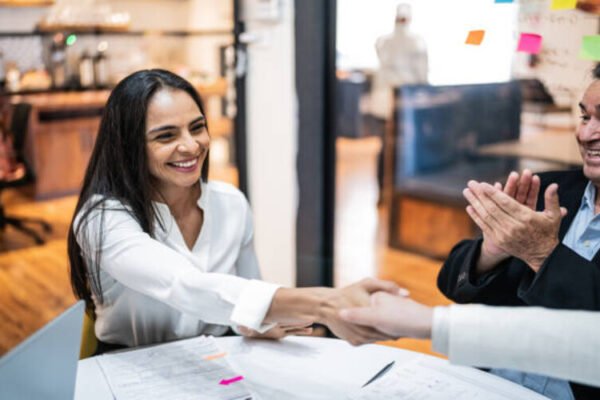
[26, 3]
[96, 31]
[27, 92]
[54, 28]
[60, 101]
[216, 87]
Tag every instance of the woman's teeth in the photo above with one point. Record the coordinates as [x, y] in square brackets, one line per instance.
[185, 164]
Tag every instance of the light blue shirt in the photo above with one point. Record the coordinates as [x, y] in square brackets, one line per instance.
[583, 237]
[553, 388]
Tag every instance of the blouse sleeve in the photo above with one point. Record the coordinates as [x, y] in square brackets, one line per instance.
[253, 300]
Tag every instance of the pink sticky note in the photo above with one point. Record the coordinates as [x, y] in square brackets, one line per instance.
[530, 43]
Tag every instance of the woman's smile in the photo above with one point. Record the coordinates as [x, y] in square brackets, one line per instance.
[189, 165]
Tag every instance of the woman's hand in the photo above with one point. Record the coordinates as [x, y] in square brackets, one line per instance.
[355, 295]
[300, 306]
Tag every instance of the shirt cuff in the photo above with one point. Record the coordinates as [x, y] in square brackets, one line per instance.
[440, 330]
[253, 304]
[263, 328]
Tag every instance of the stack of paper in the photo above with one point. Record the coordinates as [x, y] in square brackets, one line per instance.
[184, 370]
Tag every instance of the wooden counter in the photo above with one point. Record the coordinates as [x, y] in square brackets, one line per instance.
[61, 101]
[60, 137]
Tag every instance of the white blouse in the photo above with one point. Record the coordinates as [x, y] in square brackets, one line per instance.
[157, 289]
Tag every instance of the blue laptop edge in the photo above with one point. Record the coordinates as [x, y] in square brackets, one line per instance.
[44, 366]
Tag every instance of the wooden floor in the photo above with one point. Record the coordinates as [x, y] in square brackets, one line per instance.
[34, 282]
[361, 241]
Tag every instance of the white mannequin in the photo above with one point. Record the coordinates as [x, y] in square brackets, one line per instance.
[402, 60]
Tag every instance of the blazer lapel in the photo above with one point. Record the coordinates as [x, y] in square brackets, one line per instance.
[571, 200]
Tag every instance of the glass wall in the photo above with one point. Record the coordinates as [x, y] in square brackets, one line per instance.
[431, 94]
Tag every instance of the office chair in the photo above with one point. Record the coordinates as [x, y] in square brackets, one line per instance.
[17, 170]
[89, 342]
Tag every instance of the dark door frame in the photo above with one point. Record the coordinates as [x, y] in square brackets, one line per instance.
[315, 49]
[239, 130]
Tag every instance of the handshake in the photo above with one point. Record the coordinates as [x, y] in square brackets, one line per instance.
[364, 312]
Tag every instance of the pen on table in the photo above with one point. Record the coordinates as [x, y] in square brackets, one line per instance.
[380, 373]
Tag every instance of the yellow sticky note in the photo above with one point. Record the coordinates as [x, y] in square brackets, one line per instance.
[563, 4]
[475, 37]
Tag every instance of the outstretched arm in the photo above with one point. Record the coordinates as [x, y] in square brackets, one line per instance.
[498, 337]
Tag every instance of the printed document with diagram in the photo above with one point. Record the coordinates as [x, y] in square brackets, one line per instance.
[422, 379]
[190, 369]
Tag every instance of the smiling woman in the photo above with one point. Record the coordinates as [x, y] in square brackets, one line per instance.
[159, 253]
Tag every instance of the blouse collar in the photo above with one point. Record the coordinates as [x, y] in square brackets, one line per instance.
[163, 213]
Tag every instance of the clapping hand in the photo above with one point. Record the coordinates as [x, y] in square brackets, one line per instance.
[513, 227]
[524, 189]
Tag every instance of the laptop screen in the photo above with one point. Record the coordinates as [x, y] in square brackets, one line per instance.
[44, 366]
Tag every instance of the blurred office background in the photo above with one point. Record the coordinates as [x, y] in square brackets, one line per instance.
[338, 191]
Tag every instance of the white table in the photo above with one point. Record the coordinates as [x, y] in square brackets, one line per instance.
[304, 368]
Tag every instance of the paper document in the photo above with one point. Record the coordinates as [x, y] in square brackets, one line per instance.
[431, 380]
[191, 369]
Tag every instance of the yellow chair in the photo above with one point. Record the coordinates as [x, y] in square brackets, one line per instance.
[89, 342]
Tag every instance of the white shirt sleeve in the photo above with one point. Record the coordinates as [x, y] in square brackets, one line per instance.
[254, 300]
[144, 264]
[559, 343]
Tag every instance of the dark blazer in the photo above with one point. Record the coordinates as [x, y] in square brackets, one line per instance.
[565, 280]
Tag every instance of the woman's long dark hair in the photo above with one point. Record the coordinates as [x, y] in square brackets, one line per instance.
[118, 169]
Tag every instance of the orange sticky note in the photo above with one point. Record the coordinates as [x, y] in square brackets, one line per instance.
[530, 43]
[475, 37]
[563, 4]
[214, 356]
